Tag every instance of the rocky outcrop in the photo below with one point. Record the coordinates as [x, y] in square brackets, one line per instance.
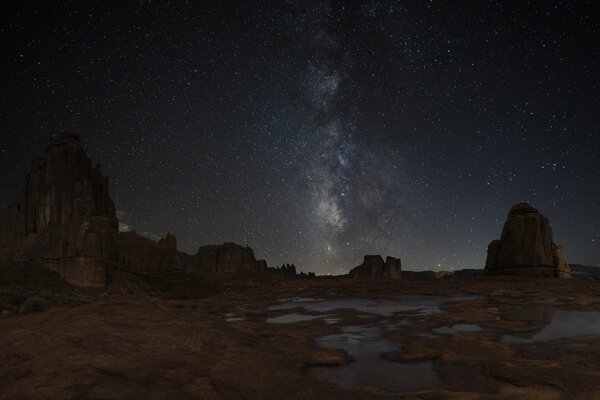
[228, 258]
[374, 267]
[141, 255]
[63, 218]
[285, 270]
[526, 247]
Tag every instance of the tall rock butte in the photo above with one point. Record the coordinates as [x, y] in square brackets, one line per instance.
[526, 247]
[64, 220]
[373, 267]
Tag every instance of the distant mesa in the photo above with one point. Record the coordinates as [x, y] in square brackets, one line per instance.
[64, 220]
[526, 247]
[373, 267]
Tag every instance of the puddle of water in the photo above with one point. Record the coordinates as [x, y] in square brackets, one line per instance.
[563, 325]
[457, 328]
[535, 313]
[359, 340]
[427, 335]
[332, 321]
[300, 299]
[290, 318]
[415, 305]
[397, 324]
[233, 319]
[367, 347]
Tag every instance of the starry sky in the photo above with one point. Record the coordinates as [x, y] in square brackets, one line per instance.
[318, 131]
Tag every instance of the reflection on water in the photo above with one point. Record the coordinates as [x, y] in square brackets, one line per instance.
[427, 335]
[540, 314]
[563, 324]
[418, 305]
[293, 317]
[367, 347]
[231, 317]
[456, 328]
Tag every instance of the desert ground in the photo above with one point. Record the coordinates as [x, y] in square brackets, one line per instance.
[178, 337]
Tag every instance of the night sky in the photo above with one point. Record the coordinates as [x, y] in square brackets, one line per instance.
[318, 131]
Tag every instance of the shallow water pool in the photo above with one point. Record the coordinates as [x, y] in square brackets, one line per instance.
[368, 347]
[562, 324]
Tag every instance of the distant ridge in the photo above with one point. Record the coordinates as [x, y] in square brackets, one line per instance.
[588, 270]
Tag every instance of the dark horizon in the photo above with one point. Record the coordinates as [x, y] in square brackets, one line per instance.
[318, 134]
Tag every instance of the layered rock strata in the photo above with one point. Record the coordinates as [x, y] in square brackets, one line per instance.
[374, 267]
[526, 247]
[63, 218]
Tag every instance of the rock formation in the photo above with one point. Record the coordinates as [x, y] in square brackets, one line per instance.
[63, 218]
[526, 247]
[140, 255]
[227, 258]
[374, 267]
[285, 269]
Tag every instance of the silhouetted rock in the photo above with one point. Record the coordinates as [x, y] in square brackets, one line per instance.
[63, 219]
[228, 258]
[307, 275]
[285, 269]
[169, 241]
[374, 267]
[526, 247]
[420, 275]
[262, 265]
[468, 273]
[141, 255]
[392, 268]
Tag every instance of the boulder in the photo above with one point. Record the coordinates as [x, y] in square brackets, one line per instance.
[526, 247]
[374, 267]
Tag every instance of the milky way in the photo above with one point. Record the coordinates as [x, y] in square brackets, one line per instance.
[318, 132]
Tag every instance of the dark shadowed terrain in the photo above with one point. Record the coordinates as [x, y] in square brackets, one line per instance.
[490, 338]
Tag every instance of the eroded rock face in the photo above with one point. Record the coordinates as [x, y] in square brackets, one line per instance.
[141, 255]
[227, 258]
[63, 218]
[374, 267]
[526, 247]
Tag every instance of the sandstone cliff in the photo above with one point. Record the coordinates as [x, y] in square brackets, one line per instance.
[374, 267]
[63, 218]
[526, 247]
[140, 255]
[227, 258]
